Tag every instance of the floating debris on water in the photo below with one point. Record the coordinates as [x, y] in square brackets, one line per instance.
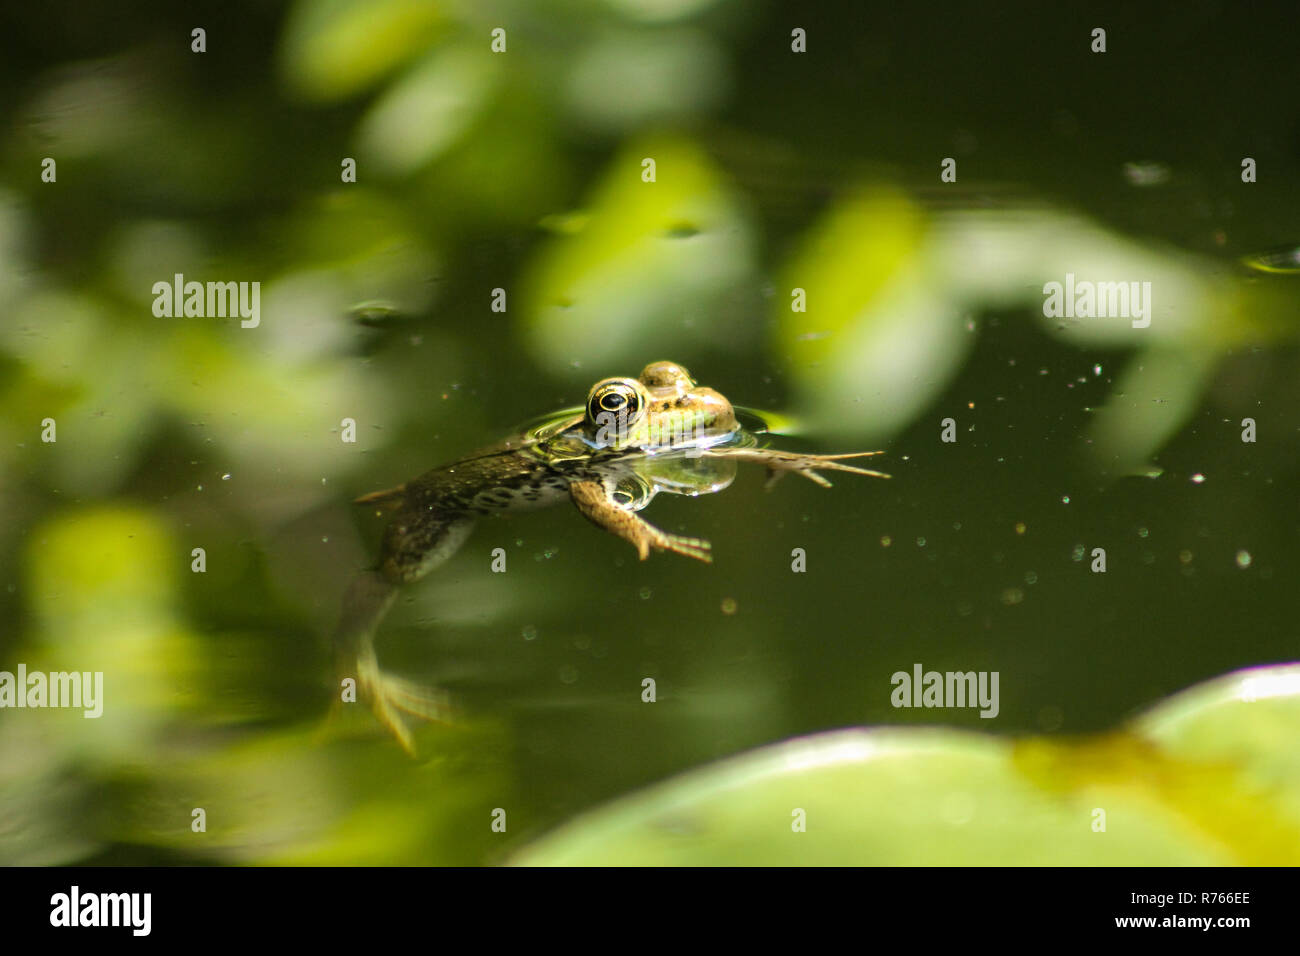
[1147, 173]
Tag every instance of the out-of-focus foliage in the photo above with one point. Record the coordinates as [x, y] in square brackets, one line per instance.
[338, 48]
[1208, 778]
[649, 262]
[890, 315]
[523, 171]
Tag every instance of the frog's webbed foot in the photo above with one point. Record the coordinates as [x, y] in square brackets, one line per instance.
[595, 505]
[393, 699]
[779, 463]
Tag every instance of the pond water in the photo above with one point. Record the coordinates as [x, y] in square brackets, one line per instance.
[1093, 490]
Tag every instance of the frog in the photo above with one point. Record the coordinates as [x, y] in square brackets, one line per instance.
[633, 439]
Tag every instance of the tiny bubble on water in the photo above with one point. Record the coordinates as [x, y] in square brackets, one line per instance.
[644, 593]
[886, 540]
[1198, 478]
[728, 605]
[530, 632]
[1243, 559]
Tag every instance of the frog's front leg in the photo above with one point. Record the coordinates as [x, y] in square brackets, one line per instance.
[780, 462]
[595, 504]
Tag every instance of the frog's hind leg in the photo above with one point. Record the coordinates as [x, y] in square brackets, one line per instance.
[412, 549]
[391, 698]
[416, 543]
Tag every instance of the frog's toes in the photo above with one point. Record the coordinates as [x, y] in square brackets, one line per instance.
[393, 698]
[807, 466]
[395, 723]
[696, 548]
[428, 703]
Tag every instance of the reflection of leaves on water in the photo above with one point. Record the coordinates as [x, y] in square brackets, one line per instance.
[594, 293]
[883, 276]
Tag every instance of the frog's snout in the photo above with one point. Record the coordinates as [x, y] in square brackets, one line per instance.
[710, 406]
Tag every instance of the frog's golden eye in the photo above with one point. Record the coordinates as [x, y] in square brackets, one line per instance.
[616, 399]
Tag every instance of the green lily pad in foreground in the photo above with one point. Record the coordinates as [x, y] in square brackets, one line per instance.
[1210, 776]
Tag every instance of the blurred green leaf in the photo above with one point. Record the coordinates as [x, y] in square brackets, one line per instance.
[1207, 778]
[424, 112]
[878, 337]
[103, 586]
[842, 264]
[333, 49]
[647, 252]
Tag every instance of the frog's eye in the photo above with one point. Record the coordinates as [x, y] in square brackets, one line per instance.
[616, 399]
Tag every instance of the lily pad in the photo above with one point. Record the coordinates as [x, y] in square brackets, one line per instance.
[1206, 778]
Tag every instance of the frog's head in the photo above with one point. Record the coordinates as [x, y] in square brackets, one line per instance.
[662, 409]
